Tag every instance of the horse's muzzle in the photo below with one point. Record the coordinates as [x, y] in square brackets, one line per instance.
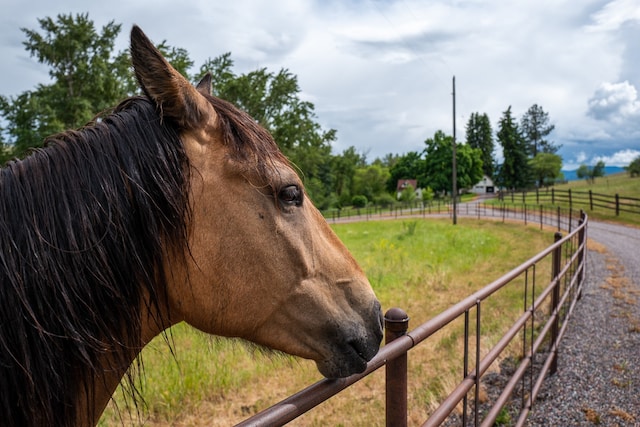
[358, 344]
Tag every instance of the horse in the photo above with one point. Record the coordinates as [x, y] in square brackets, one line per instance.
[175, 206]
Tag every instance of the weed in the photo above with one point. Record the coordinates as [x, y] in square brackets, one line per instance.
[503, 418]
[409, 227]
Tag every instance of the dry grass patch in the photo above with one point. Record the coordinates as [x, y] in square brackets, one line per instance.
[624, 415]
[592, 415]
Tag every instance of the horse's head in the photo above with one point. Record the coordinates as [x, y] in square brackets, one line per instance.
[262, 263]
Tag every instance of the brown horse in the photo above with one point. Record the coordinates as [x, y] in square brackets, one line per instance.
[174, 207]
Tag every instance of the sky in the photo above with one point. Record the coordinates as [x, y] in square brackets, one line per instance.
[380, 72]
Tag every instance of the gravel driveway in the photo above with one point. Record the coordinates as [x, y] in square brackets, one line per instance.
[598, 377]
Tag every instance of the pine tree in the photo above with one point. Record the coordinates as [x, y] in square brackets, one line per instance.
[535, 126]
[514, 171]
[480, 136]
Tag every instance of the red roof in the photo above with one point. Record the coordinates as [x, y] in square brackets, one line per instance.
[404, 183]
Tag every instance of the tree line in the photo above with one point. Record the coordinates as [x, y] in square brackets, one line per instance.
[89, 77]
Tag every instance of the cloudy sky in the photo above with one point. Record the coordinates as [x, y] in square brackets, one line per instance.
[380, 72]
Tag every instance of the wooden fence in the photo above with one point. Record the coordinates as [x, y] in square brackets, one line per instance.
[575, 199]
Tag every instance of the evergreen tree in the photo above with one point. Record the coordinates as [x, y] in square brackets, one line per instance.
[514, 171]
[535, 127]
[480, 136]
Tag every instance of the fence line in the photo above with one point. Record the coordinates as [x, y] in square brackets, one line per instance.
[587, 199]
[540, 328]
[558, 217]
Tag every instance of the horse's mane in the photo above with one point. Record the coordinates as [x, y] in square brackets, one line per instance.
[87, 223]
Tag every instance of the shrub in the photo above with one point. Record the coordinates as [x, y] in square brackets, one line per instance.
[359, 201]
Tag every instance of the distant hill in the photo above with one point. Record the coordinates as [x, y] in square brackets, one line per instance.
[608, 170]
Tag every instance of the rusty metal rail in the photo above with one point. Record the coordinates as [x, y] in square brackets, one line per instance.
[546, 310]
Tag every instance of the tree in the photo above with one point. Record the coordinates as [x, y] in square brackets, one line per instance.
[273, 100]
[634, 167]
[514, 171]
[343, 169]
[371, 181]
[591, 173]
[408, 194]
[469, 166]
[546, 168]
[439, 159]
[480, 136]
[534, 127]
[408, 166]
[86, 78]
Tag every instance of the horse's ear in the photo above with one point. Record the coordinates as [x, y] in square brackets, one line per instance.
[175, 97]
[205, 84]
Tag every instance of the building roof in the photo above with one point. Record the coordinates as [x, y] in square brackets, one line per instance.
[404, 183]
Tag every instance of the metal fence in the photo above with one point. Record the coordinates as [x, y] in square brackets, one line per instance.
[553, 216]
[530, 344]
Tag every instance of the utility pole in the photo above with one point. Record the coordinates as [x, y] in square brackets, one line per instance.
[454, 192]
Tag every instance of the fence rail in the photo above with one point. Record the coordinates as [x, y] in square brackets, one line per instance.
[535, 335]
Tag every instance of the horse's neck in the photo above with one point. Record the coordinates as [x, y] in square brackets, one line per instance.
[107, 381]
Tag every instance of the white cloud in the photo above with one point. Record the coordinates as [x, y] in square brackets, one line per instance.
[617, 102]
[581, 157]
[620, 158]
[380, 72]
[614, 14]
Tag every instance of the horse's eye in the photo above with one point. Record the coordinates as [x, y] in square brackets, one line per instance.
[290, 196]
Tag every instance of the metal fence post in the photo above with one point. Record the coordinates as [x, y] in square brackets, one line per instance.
[581, 256]
[555, 300]
[396, 323]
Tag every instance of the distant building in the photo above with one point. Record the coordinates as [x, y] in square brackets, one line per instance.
[485, 185]
[404, 183]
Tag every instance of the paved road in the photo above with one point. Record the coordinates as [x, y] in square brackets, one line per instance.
[624, 244]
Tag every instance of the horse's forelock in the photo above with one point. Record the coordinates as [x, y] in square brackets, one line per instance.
[249, 143]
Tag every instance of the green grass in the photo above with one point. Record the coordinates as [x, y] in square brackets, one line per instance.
[422, 266]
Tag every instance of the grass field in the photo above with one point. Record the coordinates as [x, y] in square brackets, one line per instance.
[422, 266]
